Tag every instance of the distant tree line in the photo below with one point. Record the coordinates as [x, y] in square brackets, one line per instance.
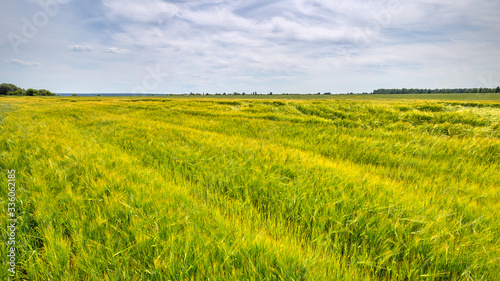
[375, 92]
[13, 90]
[436, 91]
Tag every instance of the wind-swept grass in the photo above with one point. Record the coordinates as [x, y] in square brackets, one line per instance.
[253, 189]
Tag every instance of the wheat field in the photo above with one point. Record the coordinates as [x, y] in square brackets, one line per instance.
[226, 188]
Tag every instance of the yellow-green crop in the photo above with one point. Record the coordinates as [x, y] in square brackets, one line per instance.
[252, 189]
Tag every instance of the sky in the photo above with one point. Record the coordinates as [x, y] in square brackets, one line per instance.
[283, 46]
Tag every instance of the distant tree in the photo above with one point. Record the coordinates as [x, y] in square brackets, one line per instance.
[497, 90]
[5, 88]
[10, 89]
[18, 92]
[44, 92]
[13, 90]
[434, 91]
[31, 92]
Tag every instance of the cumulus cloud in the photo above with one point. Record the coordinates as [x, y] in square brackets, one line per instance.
[116, 50]
[300, 37]
[80, 48]
[23, 63]
[318, 44]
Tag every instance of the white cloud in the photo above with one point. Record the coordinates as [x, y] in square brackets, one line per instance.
[236, 45]
[116, 50]
[80, 48]
[143, 11]
[23, 63]
[224, 40]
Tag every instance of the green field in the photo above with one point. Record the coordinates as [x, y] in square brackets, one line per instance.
[253, 188]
